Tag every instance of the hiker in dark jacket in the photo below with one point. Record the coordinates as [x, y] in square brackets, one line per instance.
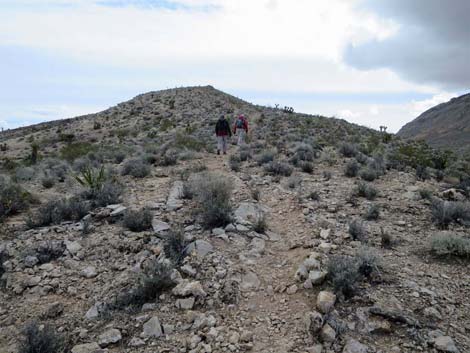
[223, 132]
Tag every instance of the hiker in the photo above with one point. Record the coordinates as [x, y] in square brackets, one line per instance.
[241, 124]
[223, 132]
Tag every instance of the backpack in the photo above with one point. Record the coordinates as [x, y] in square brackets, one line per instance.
[240, 123]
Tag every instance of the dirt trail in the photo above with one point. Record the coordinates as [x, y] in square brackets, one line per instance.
[276, 317]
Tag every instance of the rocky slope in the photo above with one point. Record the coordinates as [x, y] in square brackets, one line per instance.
[263, 282]
[446, 125]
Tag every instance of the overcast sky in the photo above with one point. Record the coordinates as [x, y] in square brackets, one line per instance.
[372, 62]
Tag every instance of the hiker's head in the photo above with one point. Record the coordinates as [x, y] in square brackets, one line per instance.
[222, 117]
[241, 116]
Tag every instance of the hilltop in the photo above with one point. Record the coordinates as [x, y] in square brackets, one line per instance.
[446, 125]
[124, 231]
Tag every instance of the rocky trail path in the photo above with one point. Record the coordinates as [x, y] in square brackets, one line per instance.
[273, 305]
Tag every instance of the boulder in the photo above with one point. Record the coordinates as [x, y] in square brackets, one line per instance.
[325, 301]
[327, 334]
[87, 348]
[73, 247]
[89, 272]
[174, 198]
[160, 227]
[445, 344]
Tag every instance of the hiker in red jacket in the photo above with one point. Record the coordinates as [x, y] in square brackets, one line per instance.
[223, 132]
[241, 124]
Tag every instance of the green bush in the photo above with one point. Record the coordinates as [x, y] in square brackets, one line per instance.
[174, 246]
[138, 220]
[348, 150]
[213, 193]
[278, 168]
[45, 340]
[373, 213]
[76, 150]
[351, 170]
[450, 245]
[357, 230]
[367, 191]
[446, 212]
[136, 168]
[57, 211]
[369, 174]
[13, 199]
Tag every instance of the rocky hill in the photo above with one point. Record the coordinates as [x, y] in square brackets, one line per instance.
[447, 125]
[124, 231]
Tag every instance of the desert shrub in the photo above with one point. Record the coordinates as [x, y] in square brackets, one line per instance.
[367, 191]
[23, 174]
[213, 194]
[136, 168]
[174, 246]
[422, 173]
[47, 181]
[373, 213]
[361, 158]
[357, 230]
[327, 175]
[256, 194]
[278, 168]
[45, 340]
[260, 225]
[187, 141]
[425, 194]
[156, 279]
[109, 194]
[345, 272]
[369, 174]
[344, 275]
[314, 195]
[265, 157]
[386, 239]
[446, 212]
[150, 158]
[93, 179]
[245, 153]
[348, 149]
[450, 245]
[303, 152]
[294, 182]
[169, 158]
[368, 262]
[49, 251]
[439, 175]
[57, 211]
[306, 167]
[234, 163]
[352, 168]
[13, 199]
[3, 257]
[76, 150]
[138, 220]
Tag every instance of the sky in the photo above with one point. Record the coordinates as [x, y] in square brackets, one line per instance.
[371, 62]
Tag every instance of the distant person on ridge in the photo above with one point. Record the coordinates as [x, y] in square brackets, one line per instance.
[241, 124]
[223, 132]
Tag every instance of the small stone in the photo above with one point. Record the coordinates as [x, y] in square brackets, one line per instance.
[54, 310]
[30, 261]
[353, 346]
[89, 272]
[86, 348]
[445, 344]
[250, 281]
[186, 288]
[325, 301]
[136, 342]
[109, 337]
[292, 289]
[200, 247]
[93, 312]
[152, 328]
[218, 231]
[313, 322]
[327, 334]
[118, 211]
[73, 247]
[160, 226]
[185, 304]
[317, 277]
[325, 233]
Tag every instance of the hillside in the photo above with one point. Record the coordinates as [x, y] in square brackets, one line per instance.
[446, 125]
[124, 231]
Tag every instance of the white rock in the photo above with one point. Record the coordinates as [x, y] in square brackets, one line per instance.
[109, 337]
[327, 334]
[445, 344]
[119, 211]
[160, 226]
[325, 301]
[187, 288]
[73, 247]
[250, 281]
[317, 277]
[353, 346]
[185, 304]
[153, 328]
[89, 272]
[86, 348]
[200, 247]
